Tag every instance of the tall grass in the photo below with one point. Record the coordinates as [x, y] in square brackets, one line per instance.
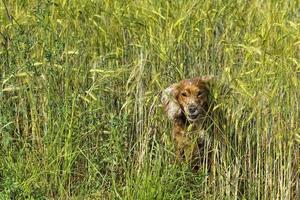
[80, 114]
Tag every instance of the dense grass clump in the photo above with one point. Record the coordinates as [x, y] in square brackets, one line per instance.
[80, 114]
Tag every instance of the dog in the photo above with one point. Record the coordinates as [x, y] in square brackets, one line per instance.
[187, 104]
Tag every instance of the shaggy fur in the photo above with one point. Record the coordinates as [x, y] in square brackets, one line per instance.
[187, 104]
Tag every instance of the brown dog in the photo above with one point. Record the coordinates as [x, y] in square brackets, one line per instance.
[187, 104]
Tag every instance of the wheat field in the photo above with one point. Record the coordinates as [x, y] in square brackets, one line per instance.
[80, 114]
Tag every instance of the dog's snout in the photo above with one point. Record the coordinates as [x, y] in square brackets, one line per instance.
[192, 109]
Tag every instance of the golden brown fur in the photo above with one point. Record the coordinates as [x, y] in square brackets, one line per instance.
[187, 104]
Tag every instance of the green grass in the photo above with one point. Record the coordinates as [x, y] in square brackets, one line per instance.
[80, 114]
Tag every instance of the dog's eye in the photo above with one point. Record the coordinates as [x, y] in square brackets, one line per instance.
[184, 94]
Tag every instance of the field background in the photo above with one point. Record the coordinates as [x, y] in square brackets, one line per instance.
[80, 114]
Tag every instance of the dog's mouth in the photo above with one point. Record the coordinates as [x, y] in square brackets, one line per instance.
[193, 117]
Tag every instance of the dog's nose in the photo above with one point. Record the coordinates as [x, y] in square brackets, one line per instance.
[192, 109]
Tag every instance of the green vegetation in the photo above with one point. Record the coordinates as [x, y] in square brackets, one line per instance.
[80, 114]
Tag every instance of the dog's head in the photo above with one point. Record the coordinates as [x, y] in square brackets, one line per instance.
[187, 98]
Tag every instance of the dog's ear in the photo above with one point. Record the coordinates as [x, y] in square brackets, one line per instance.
[209, 82]
[169, 101]
[209, 79]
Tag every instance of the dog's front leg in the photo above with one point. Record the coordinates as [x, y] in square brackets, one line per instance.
[181, 142]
